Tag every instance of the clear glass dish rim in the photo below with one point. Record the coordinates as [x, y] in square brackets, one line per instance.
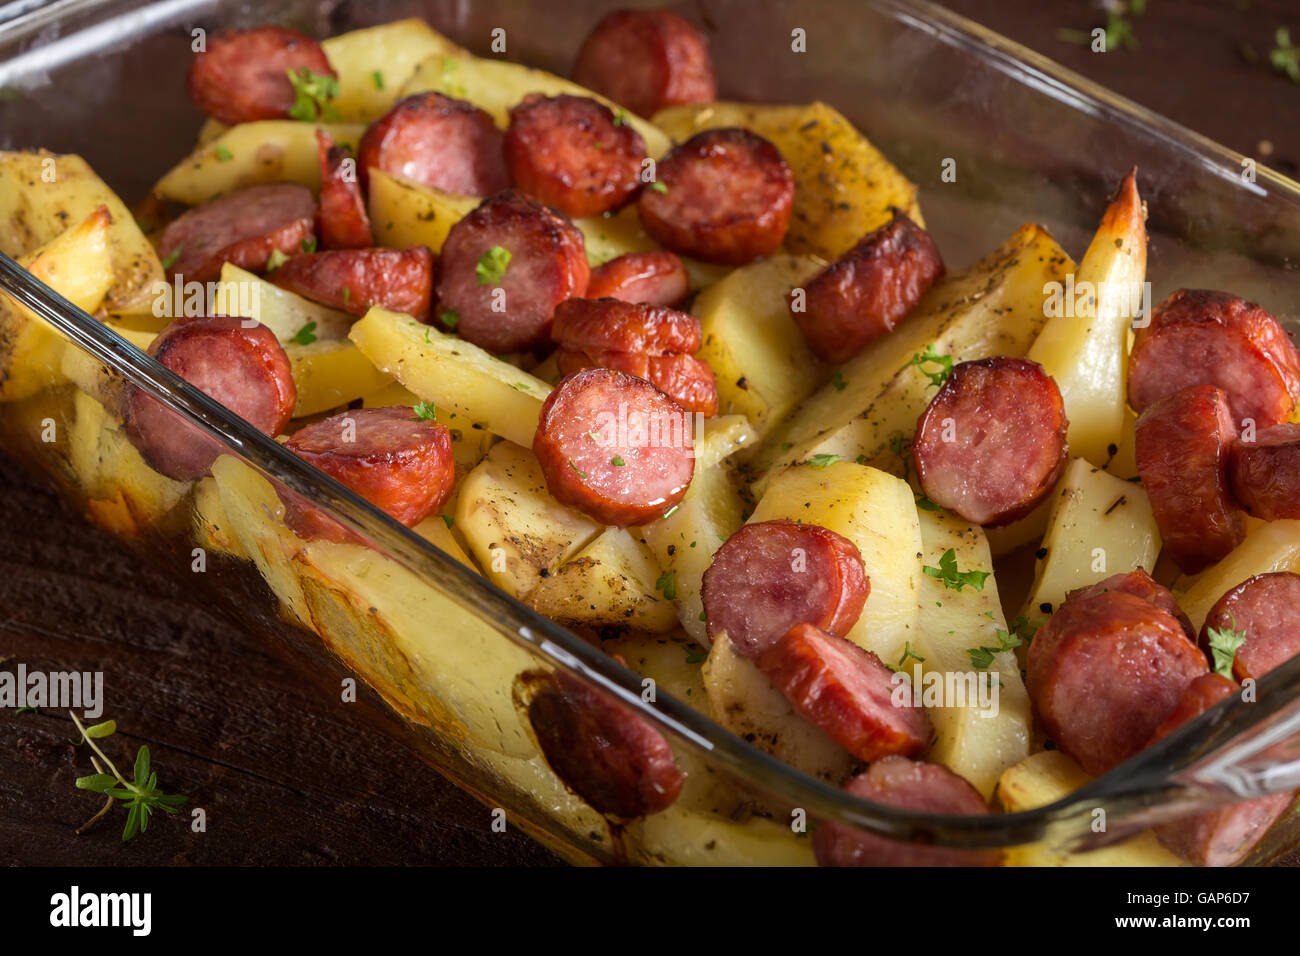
[1136, 786]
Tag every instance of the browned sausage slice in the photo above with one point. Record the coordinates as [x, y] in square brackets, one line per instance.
[355, 279]
[615, 325]
[570, 152]
[614, 447]
[609, 756]
[394, 459]
[1140, 584]
[771, 575]
[1103, 673]
[723, 196]
[646, 60]
[868, 290]
[1267, 608]
[1265, 473]
[242, 228]
[243, 75]
[437, 141]
[846, 692]
[1197, 337]
[238, 362]
[1182, 444]
[342, 218]
[992, 442]
[655, 278]
[913, 785]
[504, 269]
[685, 379]
[1221, 837]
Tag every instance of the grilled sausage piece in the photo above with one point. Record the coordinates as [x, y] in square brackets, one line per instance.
[1225, 836]
[723, 196]
[1104, 672]
[992, 442]
[646, 60]
[353, 280]
[771, 575]
[1140, 584]
[1198, 337]
[913, 785]
[614, 447]
[341, 220]
[868, 290]
[1265, 473]
[656, 277]
[685, 379]
[1182, 444]
[1266, 608]
[238, 362]
[242, 228]
[243, 75]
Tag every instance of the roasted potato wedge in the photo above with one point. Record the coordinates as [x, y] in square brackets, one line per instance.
[330, 373]
[374, 63]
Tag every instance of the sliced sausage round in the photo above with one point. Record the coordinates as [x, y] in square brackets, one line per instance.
[992, 442]
[505, 267]
[868, 290]
[238, 362]
[1267, 608]
[685, 379]
[1198, 337]
[341, 220]
[1182, 444]
[1104, 672]
[609, 756]
[615, 325]
[614, 447]
[1265, 473]
[570, 152]
[646, 60]
[1140, 584]
[353, 280]
[845, 692]
[913, 785]
[243, 75]
[437, 141]
[771, 575]
[723, 196]
[399, 462]
[656, 277]
[243, 228]
[1221, 837]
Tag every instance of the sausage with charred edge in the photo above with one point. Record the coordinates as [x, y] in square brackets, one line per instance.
[505, 267]
[1140, 584]
[1225, 836]
[243, 228]
[614, 447]
[771, 575]
[656, 277]
[570, 152]
[846, 692]
[1104, 672]
[610, 757]
[399, 462]
[646, 60]
[1199, 337]
[238, 362]
[868, 290]
[1265, 473]
[913, 785]
[341, 220]
[353, 280]
[437, 141]
[243, 75]
[1182, 444]
[992, 442]
[1266, 608]
[685, 379]
[724, 196]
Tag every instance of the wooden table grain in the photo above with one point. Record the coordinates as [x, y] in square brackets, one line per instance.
[287, 774]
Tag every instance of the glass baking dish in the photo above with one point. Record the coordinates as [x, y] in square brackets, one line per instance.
[446, 650]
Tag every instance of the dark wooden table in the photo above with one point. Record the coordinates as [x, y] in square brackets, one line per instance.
[288, 775]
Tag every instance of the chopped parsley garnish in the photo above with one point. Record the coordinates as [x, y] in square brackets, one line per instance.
[617, 461]
[170, 259]
[347, 295]
[823, 461]
[451, 318]
[449, 521]
[306, 335]
[838, 381]
[425, 412]
[982, 657]
[223, 155]
[580, 472]
[931, 357]
[275, 260]
[492, 265]
[953, 579]
[1224, 642]
[667, 583]
[377, 78]
[313, 92]
[658, 187]
[908, 652]
[696, 657]
[308, 245]
[620, 116]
